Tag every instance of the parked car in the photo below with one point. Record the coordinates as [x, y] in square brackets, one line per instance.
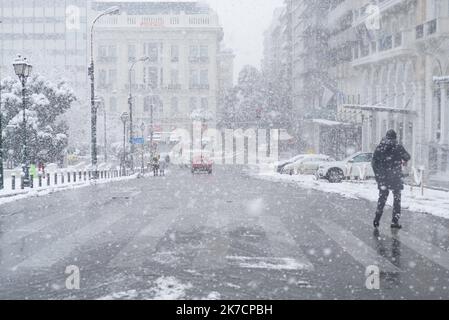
[308, 164]
[353, 166]
[281, 164]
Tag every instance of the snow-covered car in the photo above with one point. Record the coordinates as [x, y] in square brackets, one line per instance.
[281, 164]
[308, 164]
[357, 166]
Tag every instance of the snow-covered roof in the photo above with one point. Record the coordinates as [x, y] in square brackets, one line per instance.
[327, 122]
[152, 8]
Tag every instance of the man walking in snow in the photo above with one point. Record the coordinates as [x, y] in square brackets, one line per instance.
[387, 165]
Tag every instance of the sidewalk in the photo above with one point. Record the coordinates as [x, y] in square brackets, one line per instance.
[435, 202]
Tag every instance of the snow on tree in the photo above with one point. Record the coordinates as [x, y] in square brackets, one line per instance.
[46, 131]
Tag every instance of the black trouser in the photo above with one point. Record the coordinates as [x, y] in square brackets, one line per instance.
[383, 196]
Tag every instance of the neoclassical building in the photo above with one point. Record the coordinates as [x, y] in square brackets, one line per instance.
[182, 41]
[396, 77]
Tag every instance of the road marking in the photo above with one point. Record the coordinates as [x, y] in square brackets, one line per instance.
[282, 243]
[62, 248]
[425, 249]
[428, 250]
[355, 247]
[144, 243]
[16, 235]
[269, 263]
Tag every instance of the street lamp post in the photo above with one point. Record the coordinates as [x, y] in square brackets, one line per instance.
[130, 103]
[125, 118]
[142, 128]
[23, 70]
[91, 72]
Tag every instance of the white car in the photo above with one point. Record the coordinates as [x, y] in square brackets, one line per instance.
[308, 164]
[281, 164]
[357, 166]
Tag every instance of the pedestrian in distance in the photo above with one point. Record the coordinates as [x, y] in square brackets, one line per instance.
[388, 159]
[162, 166]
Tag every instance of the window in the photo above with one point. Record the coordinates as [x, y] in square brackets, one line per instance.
[102, 78]
[131, 52]
[365, 157]
[174, 53]
[204, 52]
[194, 78]
[193, 52]
[193, 104]
[150, 77]
[204, 103]
[151, 51]
[103, 51]
[112, 77]
[174, 77]
[112, 51]
[204, 77]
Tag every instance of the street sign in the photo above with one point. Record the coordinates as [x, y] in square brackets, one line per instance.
[138, 141]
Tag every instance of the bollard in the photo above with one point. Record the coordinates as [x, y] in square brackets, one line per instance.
[22, 182]
[89, 174]
[74, 177]
[48, 179]
[31, 181]
[56, 178]
[62, 177]
[68, 177]
[13, 181]
[40, 179]
[85, 175]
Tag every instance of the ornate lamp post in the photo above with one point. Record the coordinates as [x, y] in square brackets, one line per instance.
[91, 72]
[125, 118]
[23, 70]
[130, 102]
[142, 128]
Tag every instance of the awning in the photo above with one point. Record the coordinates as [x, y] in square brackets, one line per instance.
[377, 108]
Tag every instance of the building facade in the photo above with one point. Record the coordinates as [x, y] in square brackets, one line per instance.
[376, 65]
[52, 34]
[396, 77]
[181, 42]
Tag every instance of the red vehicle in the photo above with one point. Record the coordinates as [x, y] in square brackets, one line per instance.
[201, 163]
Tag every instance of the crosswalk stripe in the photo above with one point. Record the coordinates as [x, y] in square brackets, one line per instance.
[355, 247]
[428, 250]
[282, 243]
[144, 243]
[56, 251]
[35, 226]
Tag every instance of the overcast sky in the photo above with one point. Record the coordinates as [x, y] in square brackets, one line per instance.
[244, 22]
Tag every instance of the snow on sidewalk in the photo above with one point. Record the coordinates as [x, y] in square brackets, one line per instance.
[433, 202]
[7, 195]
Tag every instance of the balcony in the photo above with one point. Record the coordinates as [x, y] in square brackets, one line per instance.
[107, 59]
[173, 87]
[199, 87]
[199, 59]
[384, 5]
[390, 47]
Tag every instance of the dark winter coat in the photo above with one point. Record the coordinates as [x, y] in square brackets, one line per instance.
[387, 164]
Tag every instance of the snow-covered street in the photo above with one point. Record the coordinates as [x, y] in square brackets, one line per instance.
[221, 236]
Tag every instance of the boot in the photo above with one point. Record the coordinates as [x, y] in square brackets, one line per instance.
[376, 222]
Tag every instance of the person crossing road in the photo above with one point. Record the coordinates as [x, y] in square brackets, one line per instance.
[387, 163]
